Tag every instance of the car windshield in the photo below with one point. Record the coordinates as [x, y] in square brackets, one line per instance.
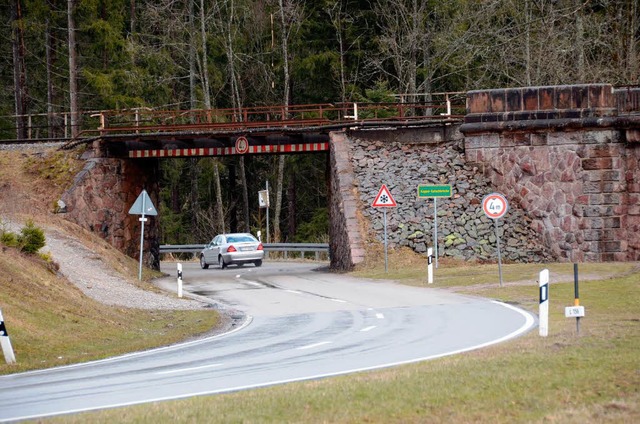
[240, 239]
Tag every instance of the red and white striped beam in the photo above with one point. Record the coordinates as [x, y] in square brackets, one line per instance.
[226, 151]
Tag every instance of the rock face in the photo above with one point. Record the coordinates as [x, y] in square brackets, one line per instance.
[464, 231]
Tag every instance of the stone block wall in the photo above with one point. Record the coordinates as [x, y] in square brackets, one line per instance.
[403, 159]
[101, 196]
[561, 154]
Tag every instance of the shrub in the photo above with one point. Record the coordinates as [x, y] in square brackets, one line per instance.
[9, 239]
[31, 238]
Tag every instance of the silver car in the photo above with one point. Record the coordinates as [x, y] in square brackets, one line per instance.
[236, 248]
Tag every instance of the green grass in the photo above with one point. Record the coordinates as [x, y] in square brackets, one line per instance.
[565, 377]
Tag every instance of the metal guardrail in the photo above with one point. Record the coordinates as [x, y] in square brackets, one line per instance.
[317, 248]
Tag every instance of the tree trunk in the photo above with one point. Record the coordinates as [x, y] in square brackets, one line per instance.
[19, 70]
[281, 158]
[52, 121]
[192, 59]
[291, 201]
[245, 196]
[73, 70]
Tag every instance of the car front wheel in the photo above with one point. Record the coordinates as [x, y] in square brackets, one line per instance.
[221, 262]
[203, 263]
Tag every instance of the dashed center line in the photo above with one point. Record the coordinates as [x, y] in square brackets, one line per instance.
[368, 328]
[294, 291]
[189, 369]
[311, 346]
[380, 315]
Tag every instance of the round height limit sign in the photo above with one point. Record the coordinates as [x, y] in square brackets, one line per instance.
[495, 206]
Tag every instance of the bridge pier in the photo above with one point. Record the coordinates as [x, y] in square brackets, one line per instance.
[101, 196]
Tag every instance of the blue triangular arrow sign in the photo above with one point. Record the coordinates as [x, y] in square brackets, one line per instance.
[143, 205]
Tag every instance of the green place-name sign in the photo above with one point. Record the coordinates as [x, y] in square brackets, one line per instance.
[434, 190]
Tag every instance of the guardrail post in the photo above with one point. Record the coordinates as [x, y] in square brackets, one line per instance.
[7, 349]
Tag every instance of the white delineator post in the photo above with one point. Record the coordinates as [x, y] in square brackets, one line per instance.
[179, 280]
[7, 349]
[544, 302]
[430, 265]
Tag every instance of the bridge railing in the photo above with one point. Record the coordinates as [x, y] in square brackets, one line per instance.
[143, 119]
[319, 249]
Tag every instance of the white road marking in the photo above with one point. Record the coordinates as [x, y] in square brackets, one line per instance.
[189, 369]
[368, 328]
[339, 300]
[294, 291]
[379, 315]
[311, 346]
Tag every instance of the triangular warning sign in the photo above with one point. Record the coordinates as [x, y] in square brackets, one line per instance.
[143, 205]
[384, 199]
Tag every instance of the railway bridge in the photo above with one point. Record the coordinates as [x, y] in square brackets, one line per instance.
[567, 157]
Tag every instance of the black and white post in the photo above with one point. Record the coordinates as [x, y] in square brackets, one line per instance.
[543, 312]
[179, 279]
[7, 349]
[430, 265]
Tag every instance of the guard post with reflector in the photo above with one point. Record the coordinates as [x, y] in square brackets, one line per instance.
[543, 283]
[7, 349]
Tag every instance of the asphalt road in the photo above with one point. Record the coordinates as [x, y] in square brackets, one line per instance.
[298, 323]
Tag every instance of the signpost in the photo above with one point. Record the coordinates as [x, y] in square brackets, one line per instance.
[495, 206]
[263, 201]
[576, 311]
[142, 206]
[434, 191]
[384, 200]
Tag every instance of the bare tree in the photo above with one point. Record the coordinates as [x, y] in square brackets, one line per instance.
[19, 69]
[73, 69]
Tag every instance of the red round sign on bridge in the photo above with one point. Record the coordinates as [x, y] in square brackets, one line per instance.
[242, 145]
[495, 205]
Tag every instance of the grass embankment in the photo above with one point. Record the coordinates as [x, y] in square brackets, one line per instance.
[49, 320]
[564, 378]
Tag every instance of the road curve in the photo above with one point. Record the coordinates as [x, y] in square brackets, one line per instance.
[301, 324]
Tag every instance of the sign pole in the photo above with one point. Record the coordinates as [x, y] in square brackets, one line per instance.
[142, 219]
[268, 213]
[499, 255]
[384, 200]
[576, 296]
[543, 312]
[435, 227]
[142, 206]
[495, 206]
[384, 212]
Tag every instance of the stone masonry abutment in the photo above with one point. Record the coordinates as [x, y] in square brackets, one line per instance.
[101, 196]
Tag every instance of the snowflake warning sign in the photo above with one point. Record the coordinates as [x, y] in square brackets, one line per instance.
[384, 199]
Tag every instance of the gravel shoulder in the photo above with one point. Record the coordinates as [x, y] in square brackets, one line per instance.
[86, 269]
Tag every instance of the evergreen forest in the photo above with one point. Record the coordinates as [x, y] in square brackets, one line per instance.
[67, 58]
